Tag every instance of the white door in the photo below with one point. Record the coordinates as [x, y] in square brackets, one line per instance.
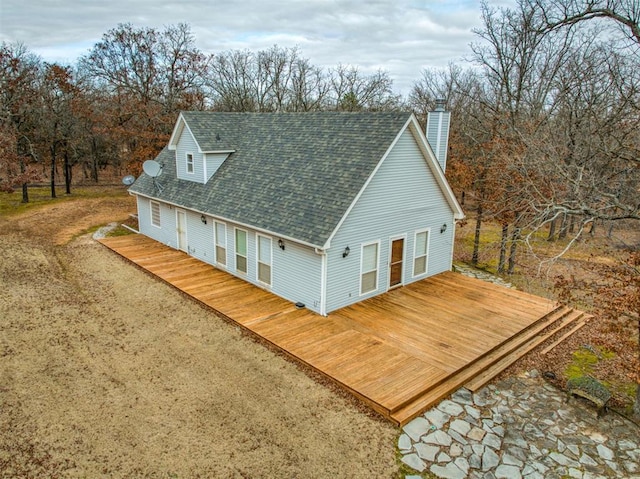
[181, 229]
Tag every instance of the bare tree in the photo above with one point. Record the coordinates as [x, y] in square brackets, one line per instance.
[20, 71]
[557, 14]
[352, 91]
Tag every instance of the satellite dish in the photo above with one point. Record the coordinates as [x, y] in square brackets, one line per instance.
[152, 168]
[128, 180]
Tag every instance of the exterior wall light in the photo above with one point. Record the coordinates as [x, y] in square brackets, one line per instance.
[346, 252]
[443, 228]
[281, 244]
[203, 218]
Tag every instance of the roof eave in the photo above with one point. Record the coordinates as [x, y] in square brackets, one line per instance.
[228, 220]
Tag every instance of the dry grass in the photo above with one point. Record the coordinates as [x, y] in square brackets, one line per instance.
[108, 372]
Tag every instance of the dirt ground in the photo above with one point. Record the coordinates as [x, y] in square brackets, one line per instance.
[107, 372]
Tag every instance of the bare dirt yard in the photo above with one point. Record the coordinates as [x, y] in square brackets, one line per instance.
[107, 372]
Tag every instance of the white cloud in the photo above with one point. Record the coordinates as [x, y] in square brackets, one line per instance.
[399, 36]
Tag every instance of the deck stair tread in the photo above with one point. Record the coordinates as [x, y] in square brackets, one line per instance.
[477, 373]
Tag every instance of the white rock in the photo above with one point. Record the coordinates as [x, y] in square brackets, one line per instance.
[576, 473]
[414, 462]
[472, 411]
[492, 440]
[450, 471]
[507, 472]
[438, 437]
[462, 396]
[426, 451]
[489, 459]
[404, 443]
[510, 460]
[605, 452]
[417, 428]
[437, 417]
[462, 464]
[449, 407]
[460, 426]
[587, 460]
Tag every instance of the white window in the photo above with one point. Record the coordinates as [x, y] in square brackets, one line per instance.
[189, 162]
[421, 250]
[369, 268]
[221, 243]
[155, 214]
[264, 259]
[241, 250]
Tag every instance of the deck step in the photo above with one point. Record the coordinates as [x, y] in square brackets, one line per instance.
[569, 333]
[483, 378]
[491, 364]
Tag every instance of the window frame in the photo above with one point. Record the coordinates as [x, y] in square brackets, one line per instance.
[376, 269]
[155, 205]
[425, 255]
[218, 244]
[190, 167]
[246, 249]
[259, 263]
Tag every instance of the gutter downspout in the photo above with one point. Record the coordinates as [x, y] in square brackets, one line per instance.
[323, 280]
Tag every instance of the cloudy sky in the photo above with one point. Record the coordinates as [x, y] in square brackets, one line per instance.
[399, 36]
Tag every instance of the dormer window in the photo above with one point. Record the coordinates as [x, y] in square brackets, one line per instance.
[190, 163]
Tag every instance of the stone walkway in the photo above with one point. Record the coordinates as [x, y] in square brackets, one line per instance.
[480, 274]
[520, 428]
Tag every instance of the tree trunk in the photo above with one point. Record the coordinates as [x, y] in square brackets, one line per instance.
[476, 239]
[572, 224]
[592, 231]
[515, 237]
[552, 231]
[563, 227]
[94, 166]
[503, 247]
[25, 188]
[53, 170]
[67, 172]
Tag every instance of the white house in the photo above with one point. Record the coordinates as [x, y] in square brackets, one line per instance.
[324, 209]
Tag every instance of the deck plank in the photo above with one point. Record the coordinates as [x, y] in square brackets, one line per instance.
[388, 350]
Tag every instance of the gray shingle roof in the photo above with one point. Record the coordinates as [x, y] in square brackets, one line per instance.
[292, 174]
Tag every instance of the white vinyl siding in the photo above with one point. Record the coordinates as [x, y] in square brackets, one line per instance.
[189, 163]
[421, 253]
[155, 214]
[264, 259]
[402, 198]
[221, 243]
[369, 268]
[241, 250]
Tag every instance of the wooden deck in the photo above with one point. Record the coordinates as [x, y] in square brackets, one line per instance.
[399, 352]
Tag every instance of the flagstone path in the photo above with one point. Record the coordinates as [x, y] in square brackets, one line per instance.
[520, 427]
